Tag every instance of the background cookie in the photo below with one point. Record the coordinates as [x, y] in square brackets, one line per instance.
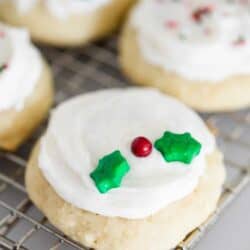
[200, 60]
[26, 91]
[16, 126]
[68, 23]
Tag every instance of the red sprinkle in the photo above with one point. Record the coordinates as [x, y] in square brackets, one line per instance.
[244, 1]
[239, 42]
[141, 146]
[172, 24]
[201, 12]
[2, 34]
[208, 31]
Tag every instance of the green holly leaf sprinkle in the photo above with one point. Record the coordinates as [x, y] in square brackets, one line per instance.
[110, 171]
[178, 147]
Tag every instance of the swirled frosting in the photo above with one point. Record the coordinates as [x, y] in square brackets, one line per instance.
[203, 40]
[62, 8]
[84, 129]
[21, 67]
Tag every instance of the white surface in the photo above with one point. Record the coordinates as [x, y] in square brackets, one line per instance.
[231, 232]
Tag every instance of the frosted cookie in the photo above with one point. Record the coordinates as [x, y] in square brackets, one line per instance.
[198, 51]
[65, 22]
[25, 87]
[125, 169]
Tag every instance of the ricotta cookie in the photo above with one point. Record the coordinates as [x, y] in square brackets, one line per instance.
[125, 169]
[197, 51]
[65, 22]
[25, 87]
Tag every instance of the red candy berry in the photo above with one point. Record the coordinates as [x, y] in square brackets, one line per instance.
[199, 13]
[141, 146]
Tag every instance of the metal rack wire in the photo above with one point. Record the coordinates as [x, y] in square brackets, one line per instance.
[23, 227]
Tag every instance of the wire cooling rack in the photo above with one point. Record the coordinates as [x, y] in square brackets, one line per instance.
[23, 227]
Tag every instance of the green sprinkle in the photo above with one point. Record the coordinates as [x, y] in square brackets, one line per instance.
[3, 67]
[110, 171]
[182, 37]
[178, 147]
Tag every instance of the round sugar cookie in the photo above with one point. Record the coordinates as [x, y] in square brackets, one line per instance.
[85, 177]
[67, 22]
[26, 91]
[197, 52]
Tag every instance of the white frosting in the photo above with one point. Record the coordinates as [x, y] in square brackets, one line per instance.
[62, 8]
[88, 127]
[208, 50]
[24, 66]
